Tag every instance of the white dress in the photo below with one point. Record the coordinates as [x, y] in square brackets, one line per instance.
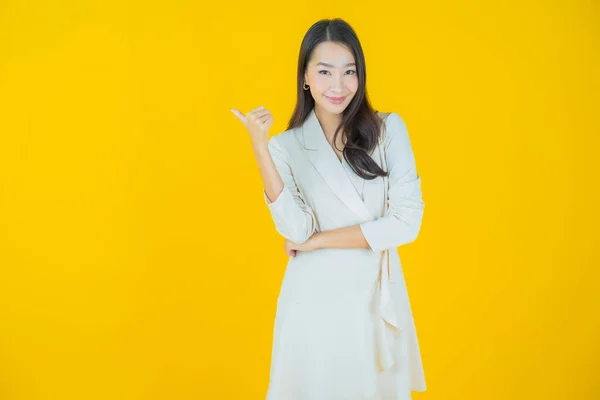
[344, 328]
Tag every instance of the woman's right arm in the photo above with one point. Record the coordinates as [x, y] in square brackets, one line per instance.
[272, 182]
[293, 218]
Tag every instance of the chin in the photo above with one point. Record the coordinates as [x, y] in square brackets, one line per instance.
[334, 109]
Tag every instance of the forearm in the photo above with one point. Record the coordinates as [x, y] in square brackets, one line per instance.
[293, 218]
[272, 181]
[350, 237]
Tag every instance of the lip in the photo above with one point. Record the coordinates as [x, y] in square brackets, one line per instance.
[336, 100]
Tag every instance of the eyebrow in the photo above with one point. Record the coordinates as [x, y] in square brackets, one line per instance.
[332, 66]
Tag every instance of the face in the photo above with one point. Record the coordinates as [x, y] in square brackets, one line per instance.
[331, 75]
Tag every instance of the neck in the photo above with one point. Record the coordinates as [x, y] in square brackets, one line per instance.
[329, 123]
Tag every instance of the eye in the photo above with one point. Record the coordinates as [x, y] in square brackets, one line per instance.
[352, 71]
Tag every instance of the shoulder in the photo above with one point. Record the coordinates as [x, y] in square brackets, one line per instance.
[283, 142]
[390, 117]
[394, 126]
[282, 138]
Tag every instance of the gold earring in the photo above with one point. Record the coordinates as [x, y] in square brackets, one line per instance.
[305, 86]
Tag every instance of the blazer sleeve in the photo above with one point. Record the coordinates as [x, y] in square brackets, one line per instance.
[402, 220]
[293, 218]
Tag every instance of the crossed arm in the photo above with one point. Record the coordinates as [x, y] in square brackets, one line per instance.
[349, 237]
[400, 225]
[346, 237]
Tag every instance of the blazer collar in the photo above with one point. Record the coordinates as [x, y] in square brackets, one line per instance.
[337, 175]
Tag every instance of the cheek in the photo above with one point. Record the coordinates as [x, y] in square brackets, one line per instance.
[320, 83]
[352, 83]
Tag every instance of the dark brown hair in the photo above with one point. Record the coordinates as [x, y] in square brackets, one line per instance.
[360, 121]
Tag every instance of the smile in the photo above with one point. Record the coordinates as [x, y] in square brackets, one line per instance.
[336, 100]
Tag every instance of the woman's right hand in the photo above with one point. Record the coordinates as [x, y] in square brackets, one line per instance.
[257, 122]
[290, 251]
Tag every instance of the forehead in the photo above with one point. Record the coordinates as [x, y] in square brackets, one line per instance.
[332, 53]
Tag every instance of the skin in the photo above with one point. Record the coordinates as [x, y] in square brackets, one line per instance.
[338, 79]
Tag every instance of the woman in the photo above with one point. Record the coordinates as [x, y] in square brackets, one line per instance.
[344, 327]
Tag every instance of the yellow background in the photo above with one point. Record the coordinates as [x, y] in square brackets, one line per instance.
[138, 260]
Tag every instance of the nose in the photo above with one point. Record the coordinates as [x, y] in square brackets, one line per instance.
[338, 83]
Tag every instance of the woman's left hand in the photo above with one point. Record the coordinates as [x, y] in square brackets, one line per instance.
[292, 248]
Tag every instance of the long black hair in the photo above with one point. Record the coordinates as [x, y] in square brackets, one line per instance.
[360, 121]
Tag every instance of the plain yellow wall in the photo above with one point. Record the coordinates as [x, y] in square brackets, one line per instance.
[138, 260]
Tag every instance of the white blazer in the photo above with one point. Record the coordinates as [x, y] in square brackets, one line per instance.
[321, 193]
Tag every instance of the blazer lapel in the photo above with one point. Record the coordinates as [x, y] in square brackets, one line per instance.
[334, 173]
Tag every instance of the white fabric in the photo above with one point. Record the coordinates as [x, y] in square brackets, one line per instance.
[344, 327]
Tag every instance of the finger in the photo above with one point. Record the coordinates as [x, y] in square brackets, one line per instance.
[259, 114]
[257, 109]
[257, 118]
[263, 119]
[239, 115]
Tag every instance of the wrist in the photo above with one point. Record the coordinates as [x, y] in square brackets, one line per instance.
[260, 149]
[317, 240]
